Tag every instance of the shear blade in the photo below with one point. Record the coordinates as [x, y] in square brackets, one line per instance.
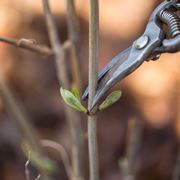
[108, 67]
[130, 59]
[121, 66]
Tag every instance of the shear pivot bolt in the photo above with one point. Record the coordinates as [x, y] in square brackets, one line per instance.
[141, 42]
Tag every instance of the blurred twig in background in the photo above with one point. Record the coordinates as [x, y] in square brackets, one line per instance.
[73, 29]
[29, 45]
[58, 51]
[33, 46]
[27, 173]
[135, 128]
[62, 152]
[93, 73]
[176, 173]
[57, 48]
[73, 117]
[73, 32]
[15, 108]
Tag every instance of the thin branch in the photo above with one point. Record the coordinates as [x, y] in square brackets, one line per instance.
[56, 47]
[28, 45]
[62, 152]
[93, 73]
[176, 172]
[38, 177]
[73, 32]
[15, 108]
[71, 115]
[27, 173]
[135, 128]
[73, 29]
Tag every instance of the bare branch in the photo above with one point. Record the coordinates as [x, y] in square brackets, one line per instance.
[71, 115]
[27, 173]
[93, 73]
[28, 45]
[15, 108]
[56, 47]
[62, 152]
[73, 32]
[38, 177]
[135, 128]
[73, 29]
[176, 172]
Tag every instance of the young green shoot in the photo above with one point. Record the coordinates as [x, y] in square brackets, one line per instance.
[72, 99]
[110, 100]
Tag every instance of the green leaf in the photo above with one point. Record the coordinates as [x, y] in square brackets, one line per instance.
[45, 164]
[76, 93]
[42, 163]
[123, 163]
[72, 100]
[110, 99]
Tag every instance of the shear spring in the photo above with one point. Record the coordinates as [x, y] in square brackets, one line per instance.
[173, 22]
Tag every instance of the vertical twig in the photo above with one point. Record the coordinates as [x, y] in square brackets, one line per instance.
[71, 115]
[135, 128]
[27, 173]
[38, 177]
[73, 32]
[56, 47]
[93, 73]
[73, 29]
[176, 173]
[15, 108]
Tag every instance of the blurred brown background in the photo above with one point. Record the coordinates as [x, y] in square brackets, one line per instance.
[151, 94]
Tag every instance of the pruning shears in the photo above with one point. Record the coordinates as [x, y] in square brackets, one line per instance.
[155, 40]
